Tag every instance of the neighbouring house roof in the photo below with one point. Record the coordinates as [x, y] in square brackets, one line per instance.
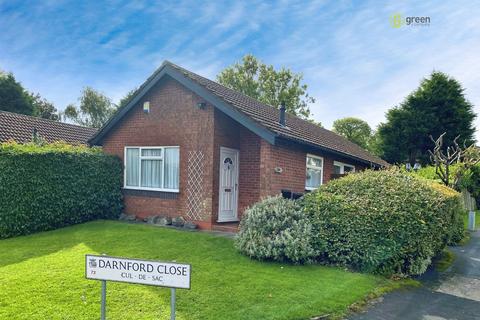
[261, 118]
[20, 128]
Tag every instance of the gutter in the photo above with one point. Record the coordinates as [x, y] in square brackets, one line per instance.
[315, 146]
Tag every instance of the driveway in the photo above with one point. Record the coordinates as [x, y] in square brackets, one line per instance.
[453, 294]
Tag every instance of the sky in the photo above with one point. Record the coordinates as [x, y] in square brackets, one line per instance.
[353, 60]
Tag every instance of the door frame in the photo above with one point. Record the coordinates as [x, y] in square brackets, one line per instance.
[220, 169]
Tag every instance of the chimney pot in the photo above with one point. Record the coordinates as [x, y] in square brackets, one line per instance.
[282, 114]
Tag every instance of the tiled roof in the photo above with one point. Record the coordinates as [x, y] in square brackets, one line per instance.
[263, 115]
[296, 129]
[19, 127]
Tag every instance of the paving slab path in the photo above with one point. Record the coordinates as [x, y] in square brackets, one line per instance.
[453, 294]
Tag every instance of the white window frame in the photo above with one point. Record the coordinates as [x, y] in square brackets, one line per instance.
[342, 166]
[313, 167]
[140, 167]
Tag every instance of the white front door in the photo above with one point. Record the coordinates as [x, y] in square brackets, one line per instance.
[228, 195]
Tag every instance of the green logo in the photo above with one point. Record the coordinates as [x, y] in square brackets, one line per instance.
[396, 20]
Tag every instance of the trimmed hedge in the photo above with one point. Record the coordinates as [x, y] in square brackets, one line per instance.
[383, 222]
[451, 201]
[56, 185]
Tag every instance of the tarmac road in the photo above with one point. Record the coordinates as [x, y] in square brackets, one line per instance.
[453, 294]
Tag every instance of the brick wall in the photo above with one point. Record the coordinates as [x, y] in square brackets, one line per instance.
[174, 120]
[250, 177]
[291, 159]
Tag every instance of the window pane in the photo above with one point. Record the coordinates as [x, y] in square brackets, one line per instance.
[314, 178]
[172, 163]
[131, 167]
[152, 152]
[314, 162]
[347, 169]
[152, 173]
[337, 169]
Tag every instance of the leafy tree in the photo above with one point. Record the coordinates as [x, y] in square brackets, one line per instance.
[126, 99]
[43, 108]
[437, 106]
[262, 82]
[94, 110]
[318, 123]
[13, 97]
[456, 161]
[354, 129]
[374, 144]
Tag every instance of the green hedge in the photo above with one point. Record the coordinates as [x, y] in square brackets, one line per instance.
[470, 179]
[384, 221]
[471, 182]
[55, 185]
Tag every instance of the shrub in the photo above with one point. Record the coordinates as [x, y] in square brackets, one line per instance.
[383, 221]
[276, 229]
[452, 205]
[470, 181]
[428, 172]
[55, 185]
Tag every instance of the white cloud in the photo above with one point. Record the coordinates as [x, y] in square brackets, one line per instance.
[373, 67]
[354, 62]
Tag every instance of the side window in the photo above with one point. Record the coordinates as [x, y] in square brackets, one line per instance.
[314, 172]
[342, 168]
[337, 169]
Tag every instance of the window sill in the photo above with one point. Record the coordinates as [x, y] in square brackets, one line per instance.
[150, 194]
[228, 220]
[152, 189]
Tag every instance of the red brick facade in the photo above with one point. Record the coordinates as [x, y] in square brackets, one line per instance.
[175, 120]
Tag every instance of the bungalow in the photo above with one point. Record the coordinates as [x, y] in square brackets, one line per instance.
[21, 128]
[194, 148]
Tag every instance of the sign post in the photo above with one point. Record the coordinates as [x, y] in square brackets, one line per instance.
[103, 310]
[172, 304]
[155, 273]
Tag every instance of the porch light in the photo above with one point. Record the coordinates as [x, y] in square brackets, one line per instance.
[201, 105]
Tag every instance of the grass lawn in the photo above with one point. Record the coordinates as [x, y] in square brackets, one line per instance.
[42, 277]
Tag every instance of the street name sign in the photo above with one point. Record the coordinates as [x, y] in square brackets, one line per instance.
[154, 273]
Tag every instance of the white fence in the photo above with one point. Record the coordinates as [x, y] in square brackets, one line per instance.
[468, 201]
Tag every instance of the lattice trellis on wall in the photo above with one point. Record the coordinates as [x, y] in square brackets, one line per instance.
[195, 185]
